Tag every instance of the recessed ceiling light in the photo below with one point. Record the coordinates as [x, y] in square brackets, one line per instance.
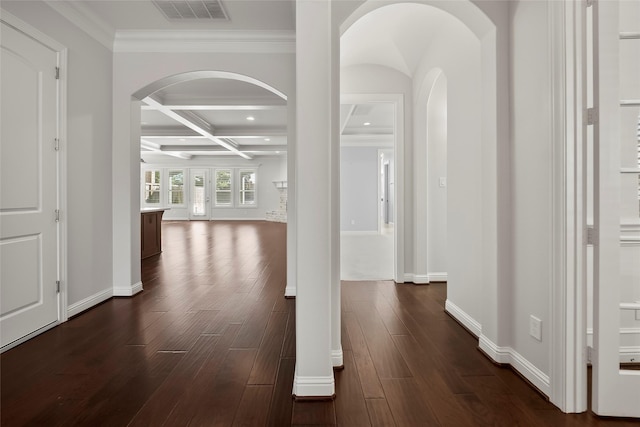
[277, 152]
[182, 140]
[251, 118]
[267, 139]
[367, 123]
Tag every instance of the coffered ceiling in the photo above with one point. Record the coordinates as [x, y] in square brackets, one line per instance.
[213, 117]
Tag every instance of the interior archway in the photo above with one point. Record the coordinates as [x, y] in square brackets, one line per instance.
[471, 68]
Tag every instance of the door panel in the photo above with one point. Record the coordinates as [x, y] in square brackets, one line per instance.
[616, 391]
[28, 185]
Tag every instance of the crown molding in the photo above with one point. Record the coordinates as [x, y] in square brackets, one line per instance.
[86, 20]
[209, 41]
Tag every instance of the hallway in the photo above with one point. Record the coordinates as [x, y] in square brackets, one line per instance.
[211, 341]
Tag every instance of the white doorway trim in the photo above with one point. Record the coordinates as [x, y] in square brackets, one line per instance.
[568, 372]
[398, 154]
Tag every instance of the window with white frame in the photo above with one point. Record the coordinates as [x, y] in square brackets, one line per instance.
[151, 192]
[176, 187]
[223, 188]
[247, 187]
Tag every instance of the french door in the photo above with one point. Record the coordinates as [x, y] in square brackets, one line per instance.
[200, 195]
[616, 245]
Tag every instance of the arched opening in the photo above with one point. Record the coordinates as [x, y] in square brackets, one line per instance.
[188, 99]
[440, 58]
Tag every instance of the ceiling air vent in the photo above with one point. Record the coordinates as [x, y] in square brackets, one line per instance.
[175, 10]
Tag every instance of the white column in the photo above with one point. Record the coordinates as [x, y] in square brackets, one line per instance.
[126, 197]
[315, 212]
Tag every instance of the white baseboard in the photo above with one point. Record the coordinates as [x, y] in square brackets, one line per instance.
[337, 358]
[419, 279]
[507, 355]
[438, 277]
[127, 291]
[313, 386]
[422, 279]
[461, 316]
[290, 292]
[87, 303]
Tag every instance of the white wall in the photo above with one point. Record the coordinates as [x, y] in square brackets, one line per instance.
[436, 122]
[531, 173]
[88, 150]
[268, 170]
[359, 189]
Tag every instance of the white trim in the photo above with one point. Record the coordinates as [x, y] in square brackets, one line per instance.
[461, 316]
[337, 358]
[290, 290]
[83, 18]
[36, 34]
[438, 277]
[567, 381]
[209, 41]
[507, 355]
[121, 291]
[313, 386]
[89, 302]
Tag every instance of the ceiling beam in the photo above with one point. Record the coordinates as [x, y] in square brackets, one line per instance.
[187, 120]
[187, 148]
[220, 107]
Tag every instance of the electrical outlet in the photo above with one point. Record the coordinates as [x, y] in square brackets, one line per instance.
[535, 327]
[443, 182]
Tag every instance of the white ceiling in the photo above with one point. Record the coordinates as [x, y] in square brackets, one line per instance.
[395, 36]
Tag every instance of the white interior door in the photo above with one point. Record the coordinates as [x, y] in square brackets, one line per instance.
[28, 186]
[199, 194]
[616, 390]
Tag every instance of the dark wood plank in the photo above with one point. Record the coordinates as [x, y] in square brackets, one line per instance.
[266, 365]
[282, 401]
[379, 413]
[170, 355]
[350, 405]
[369, 380]
[254, 406]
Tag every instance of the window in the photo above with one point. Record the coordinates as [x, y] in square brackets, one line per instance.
[152, 187]
[223, 187]
[176, 187]
[247, 180]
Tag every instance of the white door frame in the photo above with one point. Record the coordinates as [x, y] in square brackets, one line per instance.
[61, 51]
[398, 154]
[568, 373]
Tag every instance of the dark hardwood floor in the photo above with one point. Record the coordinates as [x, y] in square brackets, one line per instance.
[211, 342]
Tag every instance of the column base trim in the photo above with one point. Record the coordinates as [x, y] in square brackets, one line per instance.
[127, 291]
[314, 388]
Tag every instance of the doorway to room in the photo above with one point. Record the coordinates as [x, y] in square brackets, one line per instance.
[367, 189]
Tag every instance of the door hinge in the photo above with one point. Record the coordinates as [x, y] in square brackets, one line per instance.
[57, 73]
[58, 286]
[590, 2]
[56, 144]
[591, 235]
[589, 354]
[592, 116]
[57, 215]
